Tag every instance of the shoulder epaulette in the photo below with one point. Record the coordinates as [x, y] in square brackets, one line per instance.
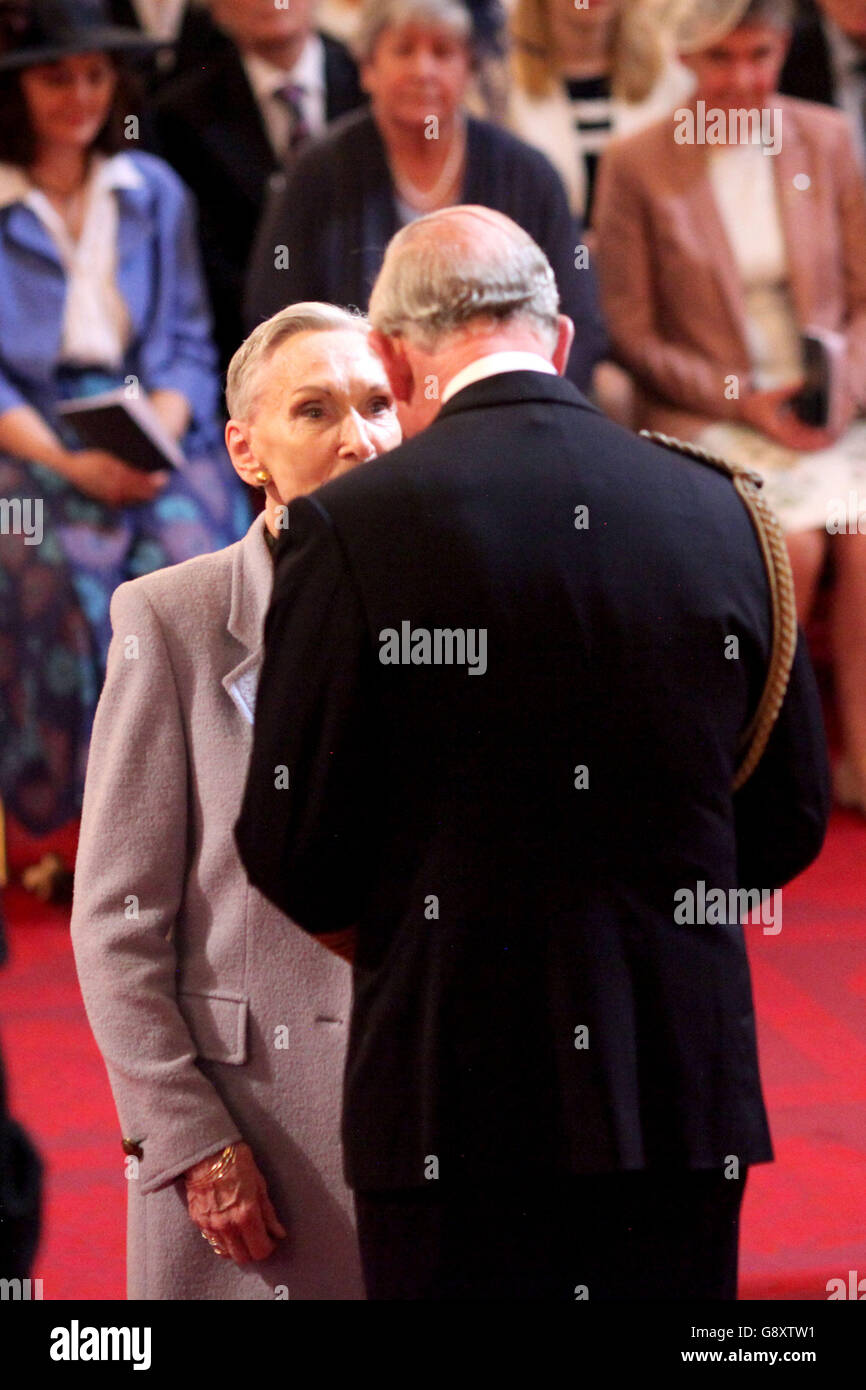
[696, 451]
[749, 484]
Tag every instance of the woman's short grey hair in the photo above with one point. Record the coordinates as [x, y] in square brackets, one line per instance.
[379, 15]
[432, 283]
[256, 350]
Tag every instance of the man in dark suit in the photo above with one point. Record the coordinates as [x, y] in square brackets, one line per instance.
[508, 672]
[827, 60]
[228, 125]
[186, 29]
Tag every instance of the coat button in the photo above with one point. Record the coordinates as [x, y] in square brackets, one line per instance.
[132, 1147]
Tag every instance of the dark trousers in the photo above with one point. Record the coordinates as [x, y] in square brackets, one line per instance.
[608, 1236]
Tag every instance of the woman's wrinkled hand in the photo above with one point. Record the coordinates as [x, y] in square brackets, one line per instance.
[234, 1211]
[102, 475]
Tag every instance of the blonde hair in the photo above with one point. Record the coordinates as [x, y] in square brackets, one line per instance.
[636, 49]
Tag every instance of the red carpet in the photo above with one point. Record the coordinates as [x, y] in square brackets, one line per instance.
[804, 1219]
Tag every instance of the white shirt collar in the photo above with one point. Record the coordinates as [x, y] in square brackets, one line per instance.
[162, 18]
[118, 171]
[14, 185]
[493, 364]
[308, 72]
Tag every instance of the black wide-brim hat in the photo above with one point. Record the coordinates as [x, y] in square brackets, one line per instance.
[43, 31]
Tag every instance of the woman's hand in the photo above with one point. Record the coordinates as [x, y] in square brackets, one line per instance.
[770, 412]
[234, 1211]
[173, 410]
[107, 478]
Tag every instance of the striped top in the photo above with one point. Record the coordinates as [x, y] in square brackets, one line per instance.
[591, 107]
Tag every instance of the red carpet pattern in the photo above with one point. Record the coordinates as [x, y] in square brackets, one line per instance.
[804, 1218]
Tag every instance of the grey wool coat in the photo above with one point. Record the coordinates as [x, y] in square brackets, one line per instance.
[216, 1022]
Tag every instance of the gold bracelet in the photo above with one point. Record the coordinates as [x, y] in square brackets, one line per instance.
[219, 1168]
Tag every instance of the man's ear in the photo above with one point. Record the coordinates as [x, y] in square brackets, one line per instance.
[564, 340]
[393, 354]
[246, 465]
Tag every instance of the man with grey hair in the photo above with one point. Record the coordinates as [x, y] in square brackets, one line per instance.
[415, 150]
[441, 298]
[499, 685]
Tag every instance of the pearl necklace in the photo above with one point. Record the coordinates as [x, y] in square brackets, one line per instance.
[426, 201]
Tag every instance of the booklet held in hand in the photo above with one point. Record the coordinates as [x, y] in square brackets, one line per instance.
[127, 427]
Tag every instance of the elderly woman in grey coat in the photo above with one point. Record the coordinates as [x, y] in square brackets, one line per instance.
[223, 1034]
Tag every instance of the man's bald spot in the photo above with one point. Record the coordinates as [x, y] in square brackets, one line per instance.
[465, 217]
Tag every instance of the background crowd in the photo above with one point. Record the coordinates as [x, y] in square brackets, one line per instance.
[303, 138]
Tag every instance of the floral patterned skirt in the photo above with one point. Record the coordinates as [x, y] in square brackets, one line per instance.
[55, 589]
[822, 490]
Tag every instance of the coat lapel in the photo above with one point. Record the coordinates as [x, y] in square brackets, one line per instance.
[798, 226]
[477, 180]
[136, 234]
[708, 231]
[237, 134]
[27, 231]
[342, 92]
[376, 208]
[252, 578]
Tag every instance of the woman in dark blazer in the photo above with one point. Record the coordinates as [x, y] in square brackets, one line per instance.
[416, 150]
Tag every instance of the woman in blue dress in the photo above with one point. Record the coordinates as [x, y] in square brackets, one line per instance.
[100, 286]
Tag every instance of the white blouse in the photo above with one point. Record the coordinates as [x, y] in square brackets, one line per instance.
[96, 324]
[161, 18]
[744, 189]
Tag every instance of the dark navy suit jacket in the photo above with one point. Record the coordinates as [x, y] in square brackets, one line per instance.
[500, 908]
[208, 125]
[808, 70]
[197, 38]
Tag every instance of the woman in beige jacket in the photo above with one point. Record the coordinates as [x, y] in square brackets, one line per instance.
[725, 235]
[223, 1036]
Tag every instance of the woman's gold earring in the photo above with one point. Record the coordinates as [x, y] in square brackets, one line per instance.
[263, 477]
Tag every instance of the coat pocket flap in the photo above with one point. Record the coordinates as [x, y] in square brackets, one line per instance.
[218, 1024]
